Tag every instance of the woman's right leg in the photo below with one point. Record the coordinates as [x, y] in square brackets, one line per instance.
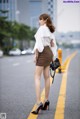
[47, 82]
[38, 72]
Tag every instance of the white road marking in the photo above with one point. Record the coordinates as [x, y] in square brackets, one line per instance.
[16, 64]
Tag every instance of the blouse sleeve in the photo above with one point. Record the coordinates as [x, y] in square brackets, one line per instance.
[38, 45]
[39, 38]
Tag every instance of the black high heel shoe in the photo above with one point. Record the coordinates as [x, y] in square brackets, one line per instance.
[40, 106]
[46, 105]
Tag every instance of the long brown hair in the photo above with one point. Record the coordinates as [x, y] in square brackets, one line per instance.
[48, 20]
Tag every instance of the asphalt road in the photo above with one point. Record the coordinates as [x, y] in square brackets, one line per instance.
[17, 91]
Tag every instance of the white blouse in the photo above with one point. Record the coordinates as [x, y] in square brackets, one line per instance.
[43, 38]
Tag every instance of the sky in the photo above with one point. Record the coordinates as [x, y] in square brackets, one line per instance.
[68, 16]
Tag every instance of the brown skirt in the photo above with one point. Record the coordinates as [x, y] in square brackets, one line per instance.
[45, 57]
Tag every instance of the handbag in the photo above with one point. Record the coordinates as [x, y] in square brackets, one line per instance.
[53, 66]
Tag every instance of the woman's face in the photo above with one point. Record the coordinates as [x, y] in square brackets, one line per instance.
[41, 22]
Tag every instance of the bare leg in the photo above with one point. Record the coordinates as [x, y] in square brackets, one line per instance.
[47, 82]
[38, 72]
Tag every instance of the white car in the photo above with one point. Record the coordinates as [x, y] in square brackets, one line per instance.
[26, 51]
[15, 52]
[29, 51]
[1, 53]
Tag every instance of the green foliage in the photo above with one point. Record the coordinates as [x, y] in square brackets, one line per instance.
[11, 31]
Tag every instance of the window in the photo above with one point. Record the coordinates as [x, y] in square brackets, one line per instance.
[49, 9]
[4, 1]
[51, 6]
[48, 3]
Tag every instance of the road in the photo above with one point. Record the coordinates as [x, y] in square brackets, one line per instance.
[17, 90]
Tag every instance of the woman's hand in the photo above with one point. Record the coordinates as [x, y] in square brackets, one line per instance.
[52, 43]
[36, 56]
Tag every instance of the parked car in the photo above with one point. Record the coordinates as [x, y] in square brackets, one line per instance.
[26, 51]
[15, 52]
[29, 51]
[1, 53]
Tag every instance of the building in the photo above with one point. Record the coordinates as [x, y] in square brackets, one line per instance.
[31, 9]
[52, 9]
[28, 11]
[11, 7]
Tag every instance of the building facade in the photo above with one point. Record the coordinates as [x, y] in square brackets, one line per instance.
[28, 11]
[11, 7]
[52, 10]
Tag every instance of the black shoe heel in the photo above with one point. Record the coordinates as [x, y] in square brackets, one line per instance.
[46, 105]
[38, 109]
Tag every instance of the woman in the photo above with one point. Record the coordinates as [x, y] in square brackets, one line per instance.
[43, 56]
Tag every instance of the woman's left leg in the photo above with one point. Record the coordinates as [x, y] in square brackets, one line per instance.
[39, 105]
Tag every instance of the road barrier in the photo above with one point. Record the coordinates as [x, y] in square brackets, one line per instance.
[60, 59]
